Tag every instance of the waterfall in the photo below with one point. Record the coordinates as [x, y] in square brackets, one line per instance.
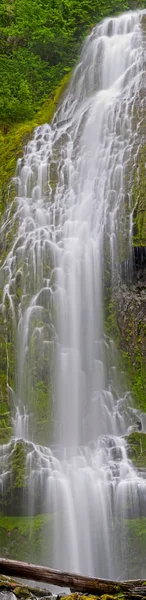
[71, 201]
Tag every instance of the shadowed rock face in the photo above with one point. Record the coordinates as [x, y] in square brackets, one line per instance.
[139, 175]
[130, 313]
[130, 290]
[133, 270]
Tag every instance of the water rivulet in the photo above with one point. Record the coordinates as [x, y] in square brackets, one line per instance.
[73, 212]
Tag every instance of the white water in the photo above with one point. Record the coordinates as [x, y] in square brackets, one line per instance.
[71, 193]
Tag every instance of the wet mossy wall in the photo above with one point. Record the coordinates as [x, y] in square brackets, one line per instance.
[125, 322]
[26, 538]
[139, 199]
[12, 141]
[131, 542]
[23, 491]
[125, 298]
[131, 319]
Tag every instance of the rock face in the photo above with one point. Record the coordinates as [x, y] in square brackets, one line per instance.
[130, 308]
[126, 295]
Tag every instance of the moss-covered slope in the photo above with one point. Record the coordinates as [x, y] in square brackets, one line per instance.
[26, 538]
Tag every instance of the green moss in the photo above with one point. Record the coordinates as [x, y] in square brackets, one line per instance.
[112, 328]
[109, 597]
[15, 493]
[5, 422]
[11, 585]
[134, 545]
[124, 318]
[22, 592]
[134, 367]
[23, 524]
[80, 596]
[7, 363]
[133, 345]
[26, 538]
[13, 138]
[137, 448]
[17, 464]
[5, 433]
[139, 196]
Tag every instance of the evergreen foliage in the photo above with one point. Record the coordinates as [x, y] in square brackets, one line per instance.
[40, 41]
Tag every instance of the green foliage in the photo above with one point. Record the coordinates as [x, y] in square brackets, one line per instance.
[39, 40]
[13, 137]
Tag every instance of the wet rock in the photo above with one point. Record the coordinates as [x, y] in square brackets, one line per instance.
[116, 453]
[10, 590]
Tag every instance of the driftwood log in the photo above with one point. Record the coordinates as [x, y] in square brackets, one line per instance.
[77, 583]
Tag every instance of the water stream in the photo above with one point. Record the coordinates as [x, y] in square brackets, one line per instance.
[73, 201]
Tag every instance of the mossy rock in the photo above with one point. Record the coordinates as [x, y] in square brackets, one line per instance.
[125, 323]
[79, 596]
[22, 490]
[22, 592]
[7, 584]
[15, 493]
[139, 196]
[137, 448]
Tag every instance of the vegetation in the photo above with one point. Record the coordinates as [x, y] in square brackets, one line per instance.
[125, 324]
[14, 136]
[137, 449]
[139, 195]
[7, 584]
[26, 538]
[39, 42]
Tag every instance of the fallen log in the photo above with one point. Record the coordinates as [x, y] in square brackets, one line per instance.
[77, 583]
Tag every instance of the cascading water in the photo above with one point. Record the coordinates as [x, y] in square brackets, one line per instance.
[71, 198]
